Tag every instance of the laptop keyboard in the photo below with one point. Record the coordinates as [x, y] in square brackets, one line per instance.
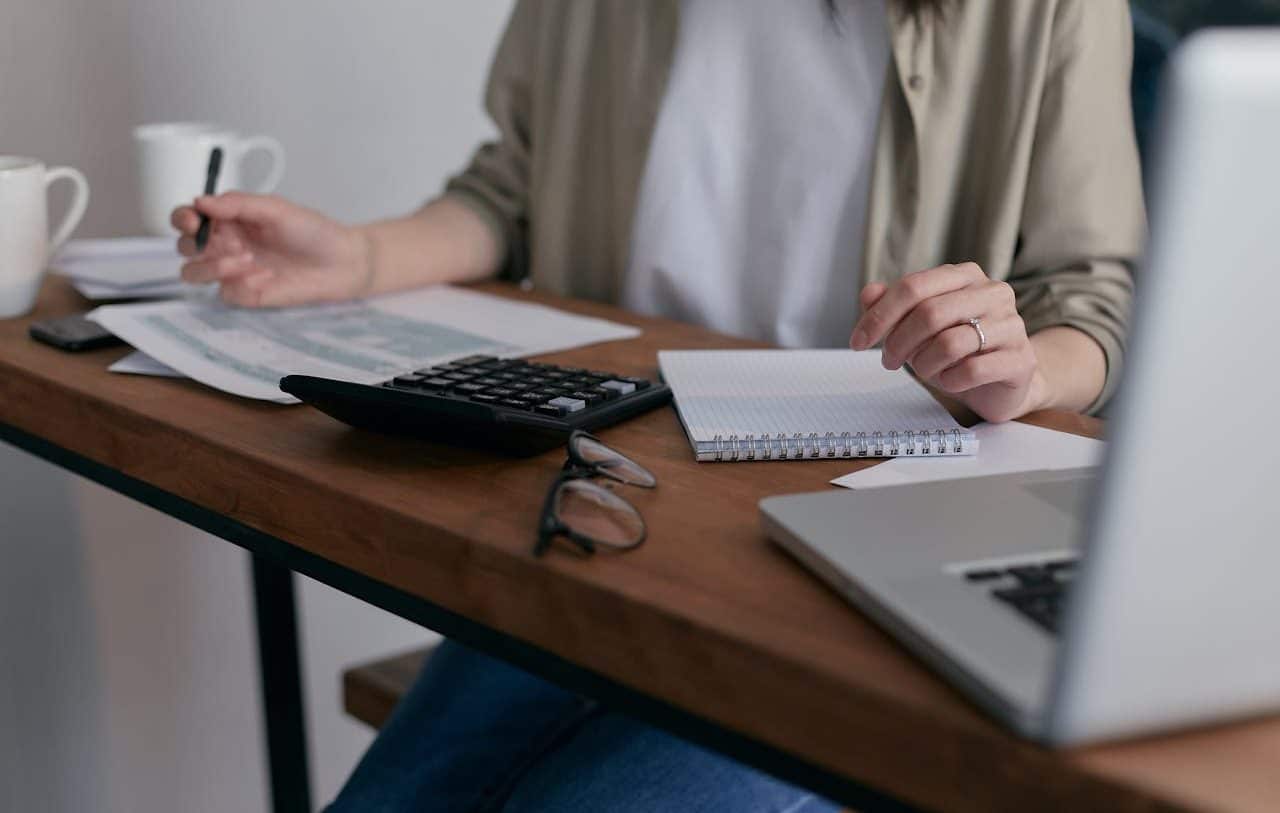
[1037, 590]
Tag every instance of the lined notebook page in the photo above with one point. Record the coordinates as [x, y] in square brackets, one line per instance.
[769, 392]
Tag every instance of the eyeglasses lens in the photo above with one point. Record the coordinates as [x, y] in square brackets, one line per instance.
[594, 511]
[612, 464]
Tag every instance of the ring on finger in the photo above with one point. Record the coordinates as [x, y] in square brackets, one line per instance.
[976, 324]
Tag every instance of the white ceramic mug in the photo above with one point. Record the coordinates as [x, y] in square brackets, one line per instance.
[173, 159]
[25, 244]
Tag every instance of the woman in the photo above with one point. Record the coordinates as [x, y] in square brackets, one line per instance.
[799, 172]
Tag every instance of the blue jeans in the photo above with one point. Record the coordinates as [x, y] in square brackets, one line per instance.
[475, 734]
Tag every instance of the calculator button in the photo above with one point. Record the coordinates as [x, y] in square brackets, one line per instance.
[457, 376]
[470, 389]
[501, 392]
[487, 381]
[516, 403]
[569, 404]
[436, 384]
[641, 383]
[590, 397]
[620, 387]
[469, 360]
[548, 409]
[407, 380]
[483, 398]
[544, 395]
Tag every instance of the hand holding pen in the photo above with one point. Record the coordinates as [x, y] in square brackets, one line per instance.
[266, 251]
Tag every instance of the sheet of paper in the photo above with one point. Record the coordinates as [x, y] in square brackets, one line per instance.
[97, 292]
[139, 363]
[246, 352]
[124, 262]
[1006, 448]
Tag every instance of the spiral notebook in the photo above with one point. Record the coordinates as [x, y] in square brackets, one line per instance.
[806, 404]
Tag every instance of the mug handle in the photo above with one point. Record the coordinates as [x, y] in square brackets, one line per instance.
[273, 148]
[78, 203]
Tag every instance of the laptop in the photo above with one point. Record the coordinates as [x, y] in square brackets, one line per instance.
[1145, 595]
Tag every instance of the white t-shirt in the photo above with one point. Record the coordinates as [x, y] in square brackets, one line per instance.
[753, 203]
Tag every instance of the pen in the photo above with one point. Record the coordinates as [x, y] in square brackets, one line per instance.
[210, 184]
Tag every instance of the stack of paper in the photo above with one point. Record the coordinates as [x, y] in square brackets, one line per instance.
[247, 351]
[123, 268]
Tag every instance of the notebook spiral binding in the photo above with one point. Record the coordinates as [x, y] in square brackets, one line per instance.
[846, 444]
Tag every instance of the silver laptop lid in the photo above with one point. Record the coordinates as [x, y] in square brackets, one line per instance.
[1175, 617]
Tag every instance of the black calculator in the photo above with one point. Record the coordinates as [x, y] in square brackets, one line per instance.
[508, 405]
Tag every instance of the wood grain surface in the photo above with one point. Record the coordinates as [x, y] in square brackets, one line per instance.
[708, 615]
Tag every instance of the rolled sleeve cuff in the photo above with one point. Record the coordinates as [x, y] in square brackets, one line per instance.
[1105, 337]
[511, 234]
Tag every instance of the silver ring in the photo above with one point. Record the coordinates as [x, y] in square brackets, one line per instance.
[982, 337]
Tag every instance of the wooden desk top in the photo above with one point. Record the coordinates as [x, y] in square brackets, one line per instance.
[707, 615]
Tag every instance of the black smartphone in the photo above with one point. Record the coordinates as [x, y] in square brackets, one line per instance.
[72, 333]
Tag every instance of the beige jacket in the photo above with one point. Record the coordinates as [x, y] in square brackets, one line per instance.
[1005, 138]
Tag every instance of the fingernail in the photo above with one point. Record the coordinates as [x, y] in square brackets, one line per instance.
[859, 340]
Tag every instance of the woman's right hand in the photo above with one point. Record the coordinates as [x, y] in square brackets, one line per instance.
[265, 251]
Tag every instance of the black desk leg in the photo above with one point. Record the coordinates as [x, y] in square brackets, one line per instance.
[282, 710]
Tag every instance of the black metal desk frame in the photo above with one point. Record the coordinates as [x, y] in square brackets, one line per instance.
[275, 560]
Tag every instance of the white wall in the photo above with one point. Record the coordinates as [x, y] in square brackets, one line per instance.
[127, 665]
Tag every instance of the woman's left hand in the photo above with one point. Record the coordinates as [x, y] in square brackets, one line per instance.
[923, 320]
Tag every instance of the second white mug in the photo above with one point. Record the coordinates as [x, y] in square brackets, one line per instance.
[173, 157]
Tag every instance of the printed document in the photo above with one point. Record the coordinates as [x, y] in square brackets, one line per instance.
[139, 363]
[247, 351]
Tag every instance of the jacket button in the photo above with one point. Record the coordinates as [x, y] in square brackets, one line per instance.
[915, 82]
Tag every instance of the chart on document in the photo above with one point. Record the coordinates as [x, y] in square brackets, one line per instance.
[247, 351]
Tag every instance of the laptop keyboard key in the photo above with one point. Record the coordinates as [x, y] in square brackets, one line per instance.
[1041, 603]
[1030, 574]
[985, 575]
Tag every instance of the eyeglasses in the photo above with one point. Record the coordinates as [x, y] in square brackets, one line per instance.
[585, 512]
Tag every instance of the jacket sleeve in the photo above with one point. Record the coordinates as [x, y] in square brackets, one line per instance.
[1083, 221]
[496, 183]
